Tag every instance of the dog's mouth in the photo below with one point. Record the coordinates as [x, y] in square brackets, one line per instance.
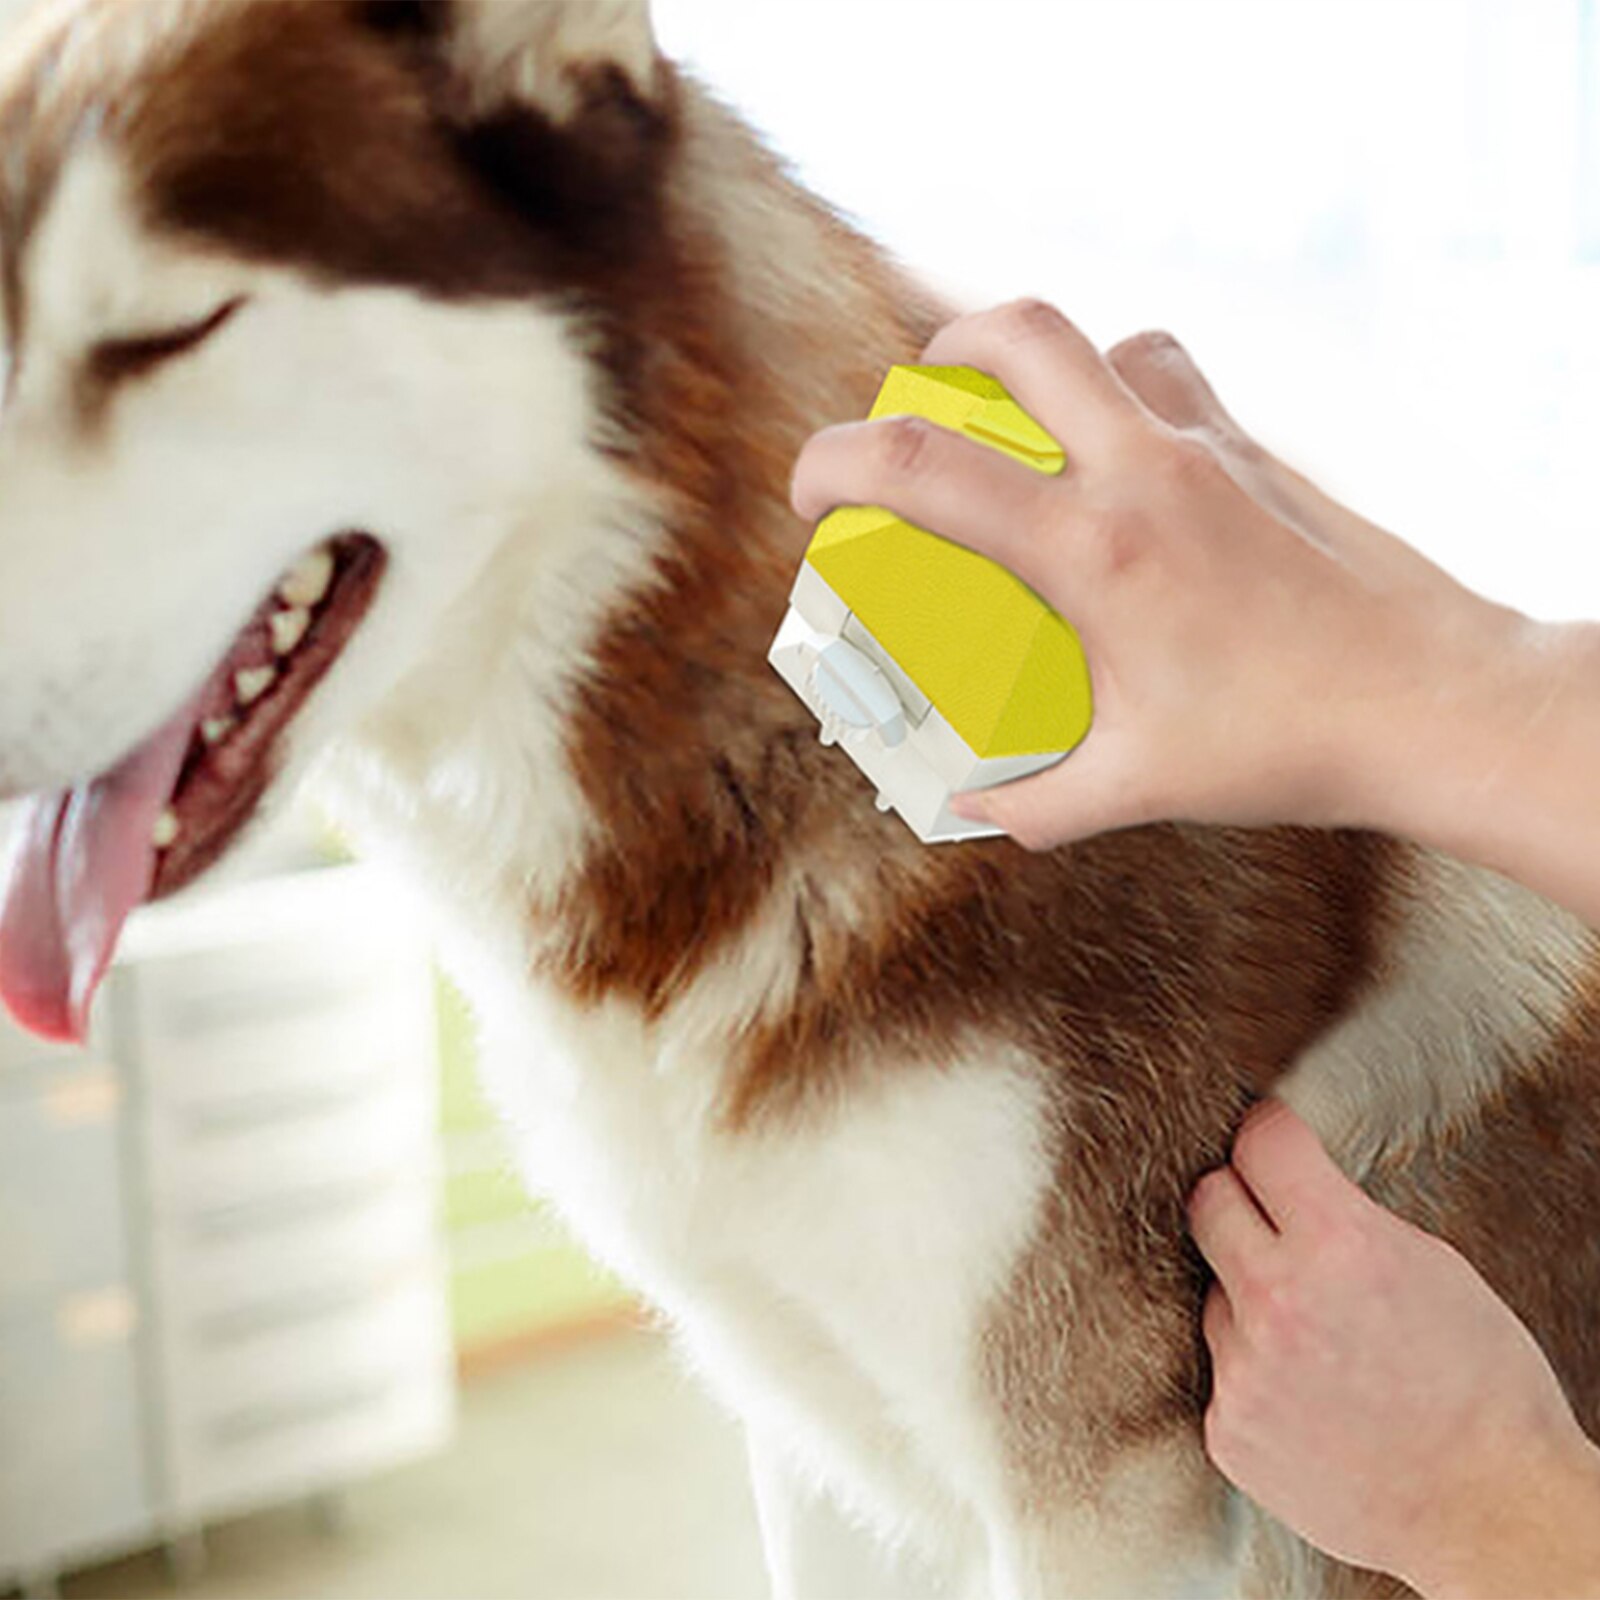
[278, 658]
[92, 854]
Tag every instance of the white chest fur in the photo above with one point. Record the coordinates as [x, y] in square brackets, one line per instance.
[828, 1273]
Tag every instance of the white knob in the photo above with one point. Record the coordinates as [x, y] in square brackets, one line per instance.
[856, 692]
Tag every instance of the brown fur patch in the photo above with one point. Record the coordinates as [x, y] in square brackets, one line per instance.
[322, 135]
[1226, 955]
[296, 134]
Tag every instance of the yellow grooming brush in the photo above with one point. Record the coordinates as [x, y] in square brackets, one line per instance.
[934, 668]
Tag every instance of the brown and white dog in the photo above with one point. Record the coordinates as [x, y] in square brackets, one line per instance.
[412, 386]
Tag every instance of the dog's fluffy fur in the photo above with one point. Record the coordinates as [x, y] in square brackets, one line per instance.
[898, 1138]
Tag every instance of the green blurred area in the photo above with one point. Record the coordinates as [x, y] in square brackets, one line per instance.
[514, 1272]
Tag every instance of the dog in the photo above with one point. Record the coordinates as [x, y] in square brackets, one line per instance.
[401, 396]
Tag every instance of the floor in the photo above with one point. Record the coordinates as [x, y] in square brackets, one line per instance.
[597, 1473]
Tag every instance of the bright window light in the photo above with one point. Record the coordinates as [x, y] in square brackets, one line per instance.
[1375, 224]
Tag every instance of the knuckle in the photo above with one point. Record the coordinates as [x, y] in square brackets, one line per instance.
[1031, 318]
[1185, 463]
[1343, 1248]
[1278, 1315]
[1150, 346]
[1252, 1286]
[1110, 540]
[906, 445]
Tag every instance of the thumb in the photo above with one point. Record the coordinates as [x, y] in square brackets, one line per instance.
[1089, 792]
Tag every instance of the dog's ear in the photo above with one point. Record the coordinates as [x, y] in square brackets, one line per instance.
[549, 56]
[559, 105]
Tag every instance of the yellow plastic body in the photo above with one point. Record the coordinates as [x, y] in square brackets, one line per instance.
[1002, 667]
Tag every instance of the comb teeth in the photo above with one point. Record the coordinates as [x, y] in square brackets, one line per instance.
[831, 726]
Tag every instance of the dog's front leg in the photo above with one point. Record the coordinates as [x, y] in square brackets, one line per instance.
[777, 1494]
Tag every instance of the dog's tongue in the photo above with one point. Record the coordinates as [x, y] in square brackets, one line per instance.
[87, 861]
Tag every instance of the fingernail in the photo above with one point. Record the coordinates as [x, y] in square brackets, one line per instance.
[971, 807]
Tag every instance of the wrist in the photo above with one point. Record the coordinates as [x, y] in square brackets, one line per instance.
[1534, 1535]
[1448, 764]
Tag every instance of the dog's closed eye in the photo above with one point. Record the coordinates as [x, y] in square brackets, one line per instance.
[117, 360]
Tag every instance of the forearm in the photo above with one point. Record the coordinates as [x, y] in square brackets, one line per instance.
[1502, 765]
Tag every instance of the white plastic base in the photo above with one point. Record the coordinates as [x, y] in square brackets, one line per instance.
[916, 776]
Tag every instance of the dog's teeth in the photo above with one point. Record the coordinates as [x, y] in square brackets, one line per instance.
[215, 729]
[250, 683]
[288, 628]
[165, 832]
[309, 579]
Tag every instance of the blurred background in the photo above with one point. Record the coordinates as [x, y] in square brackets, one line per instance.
[276, 1318]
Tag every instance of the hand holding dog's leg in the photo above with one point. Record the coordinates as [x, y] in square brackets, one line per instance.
[1370, 1390]
[1258, 652]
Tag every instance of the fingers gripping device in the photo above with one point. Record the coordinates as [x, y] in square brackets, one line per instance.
[932, 667]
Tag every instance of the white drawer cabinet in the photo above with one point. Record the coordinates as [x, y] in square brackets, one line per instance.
[216, 1266]
[221, 1279]
[74, 1480]
[205, 1172]
[61, 1212]
[267, 1395]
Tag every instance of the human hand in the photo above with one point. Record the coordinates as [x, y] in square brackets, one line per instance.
[1371, 1391]
[1258, 653]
